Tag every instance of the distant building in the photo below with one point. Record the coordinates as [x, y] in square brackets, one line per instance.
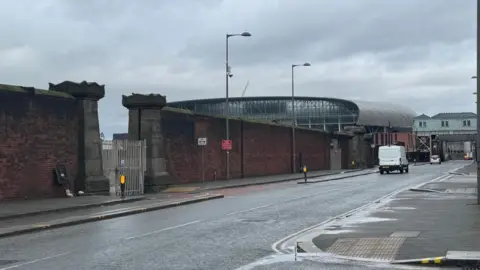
[453, 130]
[446, 123]
[120, 136]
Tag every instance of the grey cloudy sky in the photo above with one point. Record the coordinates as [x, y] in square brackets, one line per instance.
[420, 53]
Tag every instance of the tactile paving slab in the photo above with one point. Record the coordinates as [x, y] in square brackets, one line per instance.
[384, 248]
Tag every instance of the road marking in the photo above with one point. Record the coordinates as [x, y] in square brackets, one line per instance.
[34, 261]
[114, 211]
[41, 225]
[251, 209]
[162, 230]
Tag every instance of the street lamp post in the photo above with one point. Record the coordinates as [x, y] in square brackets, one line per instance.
[294, 119]
[227, 111]
[477, 140]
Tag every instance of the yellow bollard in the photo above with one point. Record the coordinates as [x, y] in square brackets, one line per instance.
[122, 185]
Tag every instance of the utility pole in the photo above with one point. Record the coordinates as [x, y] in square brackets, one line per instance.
[227, 111]
[477, 144]
[294, 118]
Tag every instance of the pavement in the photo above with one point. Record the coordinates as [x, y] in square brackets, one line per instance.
[244, 230]
[251, 181]
[22, 208]
[20, 217]
[436, 223]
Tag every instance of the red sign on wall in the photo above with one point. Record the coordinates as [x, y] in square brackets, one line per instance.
[226, 144]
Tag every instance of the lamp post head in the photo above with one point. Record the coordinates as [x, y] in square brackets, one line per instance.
[474, 77]
[302, 65]
[246, 34]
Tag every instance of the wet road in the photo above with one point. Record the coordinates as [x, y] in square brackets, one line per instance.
[219, 234]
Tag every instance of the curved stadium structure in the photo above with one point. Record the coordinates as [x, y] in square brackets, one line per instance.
[330, 114]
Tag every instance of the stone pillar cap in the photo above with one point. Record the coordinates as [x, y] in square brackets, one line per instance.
[141, 101]
[83, 90]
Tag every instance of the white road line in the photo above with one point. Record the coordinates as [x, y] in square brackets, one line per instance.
[251, 209]
[162, 230]
[115, 211]
[34, 261]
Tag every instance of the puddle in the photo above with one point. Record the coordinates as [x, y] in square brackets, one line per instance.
[273, 259]
[362, 220]
[337, 231]
[400, 208]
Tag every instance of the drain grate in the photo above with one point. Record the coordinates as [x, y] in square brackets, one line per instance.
[384, 248]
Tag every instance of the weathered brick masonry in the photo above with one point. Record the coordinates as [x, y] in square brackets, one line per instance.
[37, 130]
[259, 148]
[40, 128]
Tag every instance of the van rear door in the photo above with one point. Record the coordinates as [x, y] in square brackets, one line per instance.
[389, 156]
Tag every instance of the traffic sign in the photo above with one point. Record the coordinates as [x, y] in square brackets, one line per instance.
[226, 144]
[202, 141]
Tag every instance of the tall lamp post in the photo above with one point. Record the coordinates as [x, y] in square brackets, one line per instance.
[477, 141]
[477, 137]
[227, 76]
[294, 118]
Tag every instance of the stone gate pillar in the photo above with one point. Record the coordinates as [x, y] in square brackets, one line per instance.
[90, 177]
[357, 147]
[145, 123]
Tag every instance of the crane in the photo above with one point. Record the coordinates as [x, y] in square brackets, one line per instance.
[245, 88]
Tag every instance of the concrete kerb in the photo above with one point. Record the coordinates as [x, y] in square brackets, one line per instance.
[422, 261]
[440, 261]
[304, 244]
[270, 182]
[336, 178]
[93, 218]
[76, 207]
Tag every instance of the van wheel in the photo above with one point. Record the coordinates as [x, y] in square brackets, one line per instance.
[406, 169]
[401, 170]
[381, 172]
[388, 172]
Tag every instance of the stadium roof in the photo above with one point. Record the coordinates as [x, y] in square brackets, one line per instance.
[383, 114]
[369, 113]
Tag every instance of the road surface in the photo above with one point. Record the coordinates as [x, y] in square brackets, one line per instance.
[220, 234]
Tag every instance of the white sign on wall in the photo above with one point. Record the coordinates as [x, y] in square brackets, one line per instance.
[202, 141]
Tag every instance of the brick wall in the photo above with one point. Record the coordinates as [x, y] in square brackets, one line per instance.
[258, 149]
[407, 138]
[36, 132]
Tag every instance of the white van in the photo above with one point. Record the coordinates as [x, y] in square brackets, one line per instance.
[392, 158]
